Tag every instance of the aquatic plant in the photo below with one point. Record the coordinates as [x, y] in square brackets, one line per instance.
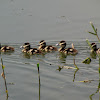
[95, 31]
[39, 78]
[38, 72]
[75, 63]
[4, 77]
[88, 59]
[86, 81]
[89, 43]
[69, 67]
[76, 68]
[98, 90]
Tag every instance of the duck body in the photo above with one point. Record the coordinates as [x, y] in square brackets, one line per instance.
[34, 51]
[65, 50]
[42, 45]
[70, 51]
[94, 47]
[42, 48]
[50, 48]
[27, 49]
[63, 45]
[7, 49]
[45, 48]
[98, 51]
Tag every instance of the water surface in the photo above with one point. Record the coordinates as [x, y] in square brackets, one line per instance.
[52, 20]
[34, 20]
[21, 70]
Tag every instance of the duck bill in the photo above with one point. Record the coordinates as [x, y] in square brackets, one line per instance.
[57, 44]
[21, 47]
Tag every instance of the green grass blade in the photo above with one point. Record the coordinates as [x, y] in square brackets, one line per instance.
[37, 64]
[92, 33]
[93, 27]
[88, 43]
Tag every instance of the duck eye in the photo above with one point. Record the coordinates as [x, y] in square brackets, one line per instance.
[71, 49]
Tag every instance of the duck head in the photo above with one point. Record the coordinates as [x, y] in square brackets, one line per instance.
[42, 45]
[94, 46]
[26, 46]
[62, 44]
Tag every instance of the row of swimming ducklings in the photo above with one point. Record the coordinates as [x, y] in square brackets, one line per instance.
[42, 48]
[48, 48]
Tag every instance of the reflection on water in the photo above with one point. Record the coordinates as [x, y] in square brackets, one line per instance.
[6, 53]
[62, 57]
[25, 55]
[93, 55]
[28, 56]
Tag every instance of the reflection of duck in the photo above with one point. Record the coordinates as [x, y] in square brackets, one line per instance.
[44, 47]
[68, 50]
[62, 57]
[29, 50]
[6, 48]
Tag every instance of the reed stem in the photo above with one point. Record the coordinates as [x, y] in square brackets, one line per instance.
[75, 63]
[3, 75]
[98, 37]
[76, 69]
[95, 31]
[39, 79]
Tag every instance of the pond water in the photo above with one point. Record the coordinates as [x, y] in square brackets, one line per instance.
[52, 20]
[34, 20]
[22, 75]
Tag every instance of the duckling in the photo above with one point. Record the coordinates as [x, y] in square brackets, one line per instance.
[34, 51]
[26, 47]
[98, 51]
[95, 49]
[71, 51]
[44, 47]
[29, 50]
[50, 48]
[63, 45]
[6, 48]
